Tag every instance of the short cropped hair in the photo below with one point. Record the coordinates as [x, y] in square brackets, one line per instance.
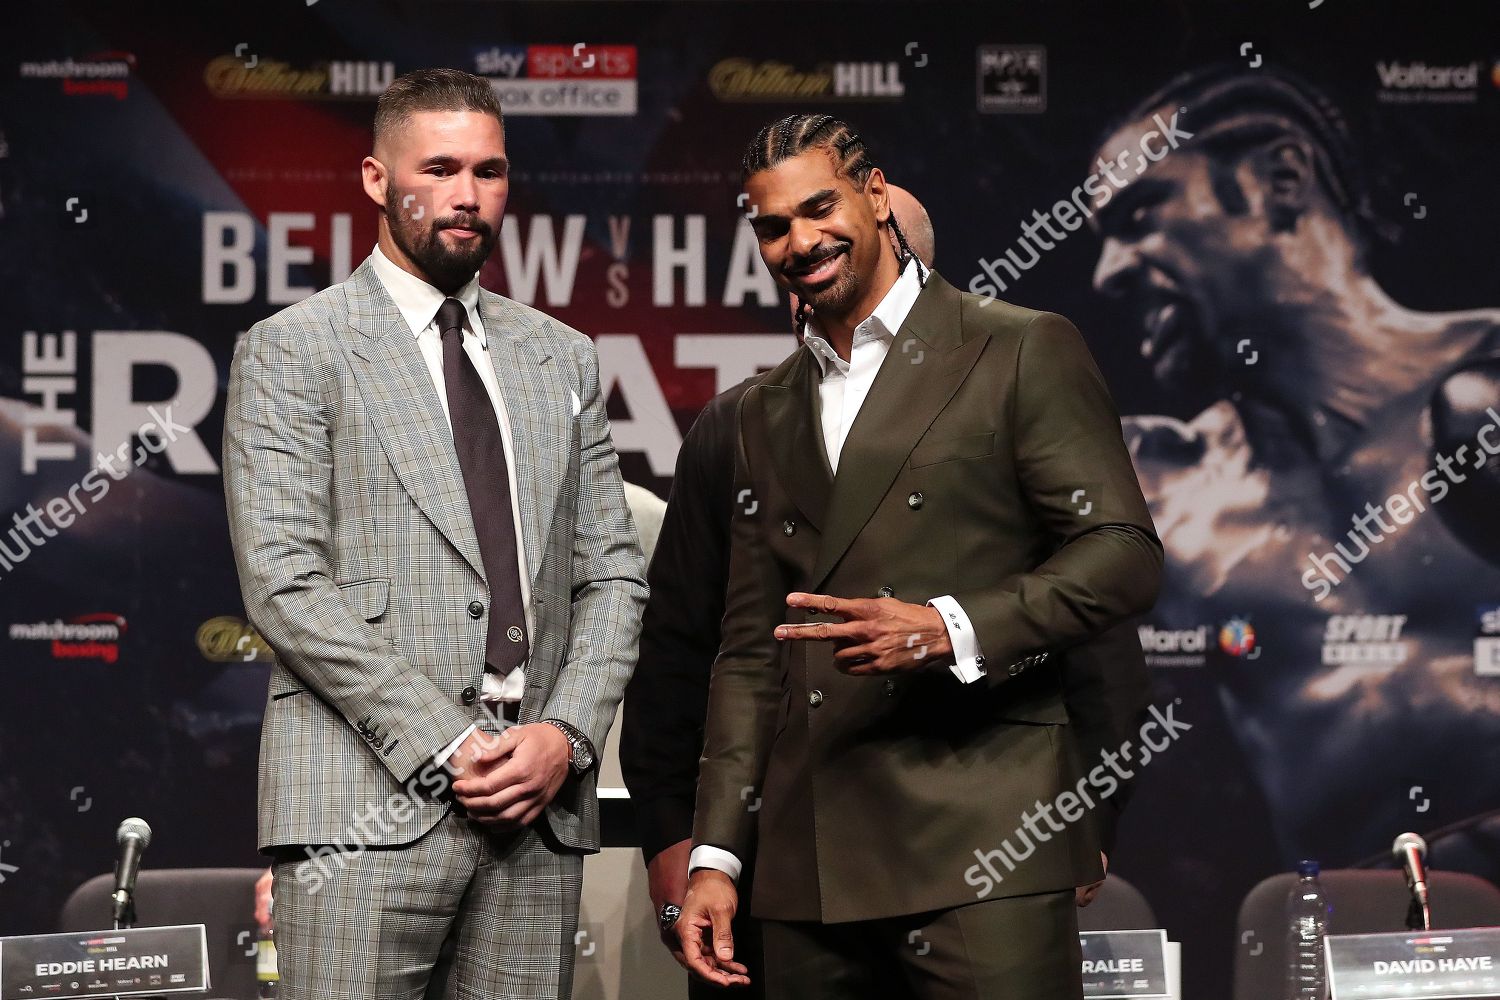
[433, 90]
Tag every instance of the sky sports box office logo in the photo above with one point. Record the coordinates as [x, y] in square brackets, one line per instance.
[579, 79]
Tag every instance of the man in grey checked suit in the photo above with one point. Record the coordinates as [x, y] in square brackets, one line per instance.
[430, 531]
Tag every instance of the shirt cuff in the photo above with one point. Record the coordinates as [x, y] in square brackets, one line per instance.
[704, 856]
[442, 756]
[968, 663]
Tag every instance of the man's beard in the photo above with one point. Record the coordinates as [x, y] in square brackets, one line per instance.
[449, 267]
[838, 295]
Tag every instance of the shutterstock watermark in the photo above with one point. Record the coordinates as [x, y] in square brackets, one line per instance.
[1320, 577]
[1071, 804]
[59, 513]
[1093, 194]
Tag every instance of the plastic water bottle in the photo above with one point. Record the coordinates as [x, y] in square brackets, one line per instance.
[1307, 922]
[267, 975]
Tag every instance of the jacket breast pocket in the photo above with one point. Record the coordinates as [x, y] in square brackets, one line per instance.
[949, 449]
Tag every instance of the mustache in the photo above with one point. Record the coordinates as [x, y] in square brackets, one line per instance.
[803, 263]
[473, 222]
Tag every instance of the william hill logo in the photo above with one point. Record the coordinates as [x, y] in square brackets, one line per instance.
[248, 76]
[748, 80]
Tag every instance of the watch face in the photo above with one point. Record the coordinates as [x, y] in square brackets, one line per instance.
[582, 757]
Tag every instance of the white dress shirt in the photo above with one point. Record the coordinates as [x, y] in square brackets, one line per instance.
[842, 389]
[418, 303]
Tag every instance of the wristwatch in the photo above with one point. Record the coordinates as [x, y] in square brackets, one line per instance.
[582, 757]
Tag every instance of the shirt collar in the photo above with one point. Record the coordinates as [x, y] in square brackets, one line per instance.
[882, 324]
[418, 301]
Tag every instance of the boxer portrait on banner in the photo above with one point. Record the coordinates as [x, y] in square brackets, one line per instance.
[1106, 683]
[1337, 477]
[933, 505]
[430, 531]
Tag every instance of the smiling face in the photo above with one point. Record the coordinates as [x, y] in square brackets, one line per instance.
[442, 183]
[820, 232]
[1192, 273]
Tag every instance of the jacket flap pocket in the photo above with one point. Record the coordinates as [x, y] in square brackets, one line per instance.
[946, 449]
[368, 598]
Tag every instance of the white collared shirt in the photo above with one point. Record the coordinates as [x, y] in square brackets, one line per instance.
[418, 303]
[842, 389]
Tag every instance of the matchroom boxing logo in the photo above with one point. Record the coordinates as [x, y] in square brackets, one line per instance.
[85, 637]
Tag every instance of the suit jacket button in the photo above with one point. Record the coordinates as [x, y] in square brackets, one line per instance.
[379, 742]
[887, 592]
[815, 698]
[915, 501]
[890, 687]
[476, 610]
[469, 695]
[788, 528]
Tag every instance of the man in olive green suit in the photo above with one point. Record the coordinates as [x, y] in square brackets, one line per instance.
[933, 504]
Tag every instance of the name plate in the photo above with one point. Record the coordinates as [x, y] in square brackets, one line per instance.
[104, 963]
[1431, 965]
[1124, 964]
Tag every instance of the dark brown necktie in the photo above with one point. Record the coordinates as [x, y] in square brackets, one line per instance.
[482, 459]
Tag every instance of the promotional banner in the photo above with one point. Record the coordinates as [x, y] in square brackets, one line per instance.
[1271, 222]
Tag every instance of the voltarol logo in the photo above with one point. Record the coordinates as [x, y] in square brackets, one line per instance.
[1419, 83]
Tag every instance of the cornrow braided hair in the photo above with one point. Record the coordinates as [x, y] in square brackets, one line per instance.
[796, 134]
[1231, 110]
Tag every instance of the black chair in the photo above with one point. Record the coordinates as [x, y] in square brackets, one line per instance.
[222, 899]
[1118, 907]
[1364, 902]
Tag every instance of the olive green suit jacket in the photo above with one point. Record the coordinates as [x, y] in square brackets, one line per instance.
[986, 463]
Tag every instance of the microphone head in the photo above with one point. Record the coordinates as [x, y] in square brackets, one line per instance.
[1412, 840]
[134, 827]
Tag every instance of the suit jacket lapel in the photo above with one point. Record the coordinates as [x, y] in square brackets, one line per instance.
[402, 402]
[789, 412]
[927, 362]
[538, 402]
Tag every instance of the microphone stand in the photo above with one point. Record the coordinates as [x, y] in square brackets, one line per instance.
[1418, 913]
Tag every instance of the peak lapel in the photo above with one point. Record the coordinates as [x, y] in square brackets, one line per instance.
[403, 406]
[926, 364]
[788, 409]
[538, 403]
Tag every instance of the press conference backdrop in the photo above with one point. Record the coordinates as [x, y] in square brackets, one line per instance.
[169, 175]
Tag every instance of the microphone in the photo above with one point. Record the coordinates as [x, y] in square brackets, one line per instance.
[133, 837]
[1410, 852]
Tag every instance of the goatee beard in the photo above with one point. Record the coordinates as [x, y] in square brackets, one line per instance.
[448, 268]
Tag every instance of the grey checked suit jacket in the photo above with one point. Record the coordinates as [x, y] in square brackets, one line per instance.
[358, 560]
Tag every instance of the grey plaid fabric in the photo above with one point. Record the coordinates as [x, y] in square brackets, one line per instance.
[377, 919]
[359, 564]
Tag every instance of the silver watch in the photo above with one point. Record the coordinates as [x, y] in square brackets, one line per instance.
[582, 757]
